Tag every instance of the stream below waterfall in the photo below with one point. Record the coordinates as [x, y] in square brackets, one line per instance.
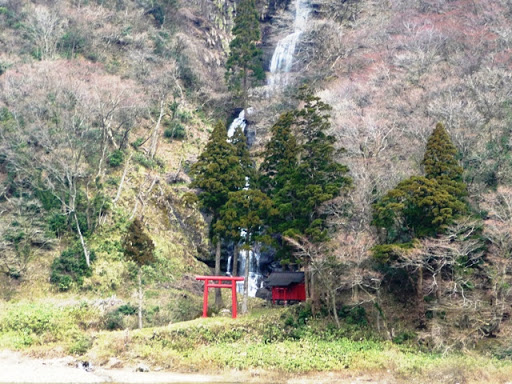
[281, 65]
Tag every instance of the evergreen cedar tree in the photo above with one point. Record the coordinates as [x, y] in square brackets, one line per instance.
[239, 141]
[245, 60]
[217, 172]
[245, 210]
[299, 171]
[138, 246]
[248, 207]
[425, 205]
[281, 156]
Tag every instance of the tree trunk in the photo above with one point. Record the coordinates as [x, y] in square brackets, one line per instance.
[235, 261]
[420, 299]
[82, 241]
[314, 295]
[125, 171]
[307, 285]
[245, 95]
[381, 316]
[246, 282]
[139, 277]
[334, 309]
[355, 293]
[218, 294]
[156, 131]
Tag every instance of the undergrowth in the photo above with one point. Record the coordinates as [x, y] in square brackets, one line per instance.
[285, 340]
[26, 325]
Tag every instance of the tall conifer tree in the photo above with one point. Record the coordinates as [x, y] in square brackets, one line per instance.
[239, 140]
[217, 172]
[440, 162]
[245, 211]
[139, 248]
[425, 205]
[281, 155]
[300, 171]
[245, 62]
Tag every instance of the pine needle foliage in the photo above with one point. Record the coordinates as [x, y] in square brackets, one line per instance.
[424, 206]
[244, 211]
[239, 141]
[245, 62]
[300, 171]
[217, 172]
[137, 245]
[281, 155]
[440, 162]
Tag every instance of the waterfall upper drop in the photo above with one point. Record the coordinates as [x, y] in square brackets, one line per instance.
[282, 59]
[280, 66]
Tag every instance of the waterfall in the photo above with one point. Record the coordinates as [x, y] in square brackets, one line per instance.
[282, 59]
[280, 65]
[255, 277]
[239, 122]
[229, 263]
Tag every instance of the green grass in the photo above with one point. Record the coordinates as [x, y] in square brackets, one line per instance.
[284, 340]
[268, 340]
[26, 325]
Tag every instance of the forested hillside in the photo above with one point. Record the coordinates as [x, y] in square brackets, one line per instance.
[379, 163]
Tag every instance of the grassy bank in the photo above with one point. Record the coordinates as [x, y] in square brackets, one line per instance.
[286, 340]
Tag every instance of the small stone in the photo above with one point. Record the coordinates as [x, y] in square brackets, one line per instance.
[85, 365]
[142, 368]
[114, 363]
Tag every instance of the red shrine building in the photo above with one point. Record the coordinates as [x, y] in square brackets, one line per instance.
[287, 287]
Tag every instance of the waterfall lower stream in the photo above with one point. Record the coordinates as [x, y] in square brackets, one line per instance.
[281, 65]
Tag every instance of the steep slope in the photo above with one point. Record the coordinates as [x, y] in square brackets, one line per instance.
[105, 105]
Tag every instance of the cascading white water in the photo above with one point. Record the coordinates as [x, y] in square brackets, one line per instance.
[280, 66]
[238, 122]
[229, 263]
[282, 59]
[255, 276]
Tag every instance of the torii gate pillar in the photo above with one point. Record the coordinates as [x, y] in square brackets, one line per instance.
[209, 282]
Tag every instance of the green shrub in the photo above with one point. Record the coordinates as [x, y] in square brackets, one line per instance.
[70, 268]
[58, 223]
[127, 309]
[26, 324]
[354, 315]
[114, 320]
[114, 181]
[144, 161]
[137, 143]
[116, 158]
[47, 199]
[175, 131]
[81, 344]
[72, 43]
[403, 337]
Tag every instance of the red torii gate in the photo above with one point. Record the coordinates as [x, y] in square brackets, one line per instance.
[209, 284]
